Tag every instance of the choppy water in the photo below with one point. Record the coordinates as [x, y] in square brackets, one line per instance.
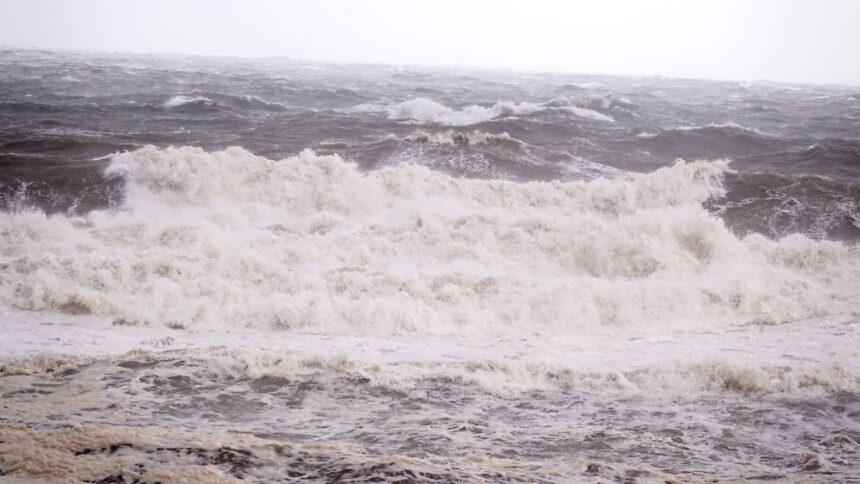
[218, 269]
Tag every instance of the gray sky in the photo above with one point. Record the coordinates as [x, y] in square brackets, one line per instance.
[786, 40]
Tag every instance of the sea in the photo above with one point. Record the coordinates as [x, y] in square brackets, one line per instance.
[218, 269]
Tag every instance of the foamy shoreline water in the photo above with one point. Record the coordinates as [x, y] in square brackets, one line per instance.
[349, 403]
[789, 358]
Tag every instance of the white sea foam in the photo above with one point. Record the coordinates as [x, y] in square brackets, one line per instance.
[228, 239]
[177, 101]
[809, 356]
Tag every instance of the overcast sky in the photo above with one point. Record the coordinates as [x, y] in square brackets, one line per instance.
[785, 40]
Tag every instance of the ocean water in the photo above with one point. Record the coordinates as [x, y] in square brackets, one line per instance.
[219, 269]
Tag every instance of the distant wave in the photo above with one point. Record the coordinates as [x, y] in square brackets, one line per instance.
[724, 127]
[596, 102]
[239, 102]
[255, 102]
[588, 113]
[727, 124]
[177, 101]
[426, 111]
[714, 139]
[593, 85]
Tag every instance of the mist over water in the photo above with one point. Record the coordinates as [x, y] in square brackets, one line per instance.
[221, 269]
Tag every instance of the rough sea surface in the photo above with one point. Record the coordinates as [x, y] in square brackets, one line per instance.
[221, 269]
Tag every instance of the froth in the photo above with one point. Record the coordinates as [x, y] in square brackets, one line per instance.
[455, 138]
[311, 242]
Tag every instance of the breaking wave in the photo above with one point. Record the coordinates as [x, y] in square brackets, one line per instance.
[220, 239]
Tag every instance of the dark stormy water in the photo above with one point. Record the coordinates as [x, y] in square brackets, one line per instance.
[220, 269]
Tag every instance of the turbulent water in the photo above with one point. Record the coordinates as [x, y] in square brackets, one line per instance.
[218, 269]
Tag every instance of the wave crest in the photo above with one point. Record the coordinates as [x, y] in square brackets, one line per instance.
[427, 111]
[214, 100]
[177, 101]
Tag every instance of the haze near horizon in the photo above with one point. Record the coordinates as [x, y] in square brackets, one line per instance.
[793, 41]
